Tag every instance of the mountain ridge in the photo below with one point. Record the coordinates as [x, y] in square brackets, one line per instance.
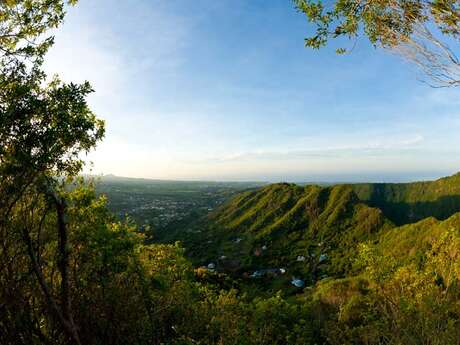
[291, 226]
[285, 225]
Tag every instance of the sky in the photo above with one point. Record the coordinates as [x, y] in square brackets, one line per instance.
[226, 90]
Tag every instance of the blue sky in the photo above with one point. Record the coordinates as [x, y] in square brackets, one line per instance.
[225, 90]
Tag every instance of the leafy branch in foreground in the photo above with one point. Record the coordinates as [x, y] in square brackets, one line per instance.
[424, 32]
[23, 24]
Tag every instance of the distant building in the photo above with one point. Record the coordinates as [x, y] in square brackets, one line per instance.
[322, 258]
[297, 283]
[270, 272]
[257, 274]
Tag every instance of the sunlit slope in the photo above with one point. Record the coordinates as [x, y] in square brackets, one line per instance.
[409, 202]
[287, 221]
[413, 240]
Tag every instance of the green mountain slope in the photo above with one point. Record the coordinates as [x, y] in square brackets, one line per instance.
[314, 232]
[311, 231]
[413, 240]
[410, 202]
[362, 277]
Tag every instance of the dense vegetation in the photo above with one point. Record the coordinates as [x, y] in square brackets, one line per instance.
[282, 222]
[375, 283]
[73, 273]
[378, 284]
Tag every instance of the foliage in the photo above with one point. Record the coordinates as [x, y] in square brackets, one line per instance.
[23, 24]
[384, 22]
[421, 31]
[44, 128]
[398, 299]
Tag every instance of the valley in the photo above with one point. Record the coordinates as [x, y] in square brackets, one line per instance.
[287, 236]
[197, 92]
[330, 264]
[158, 204]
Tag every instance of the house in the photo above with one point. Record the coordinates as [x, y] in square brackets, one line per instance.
[269, 272]
[322, 258]
[297, 282]
[301, 258]
[257, 274]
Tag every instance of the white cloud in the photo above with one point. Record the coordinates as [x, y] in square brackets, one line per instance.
[134, 49]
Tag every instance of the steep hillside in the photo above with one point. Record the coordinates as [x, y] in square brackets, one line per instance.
[314, 232]
[311, 231]
[413, 240]
[410, 202]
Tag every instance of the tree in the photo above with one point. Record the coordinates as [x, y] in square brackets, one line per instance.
[413, 301]
[23, 23]
[44, 128]
[423, 32]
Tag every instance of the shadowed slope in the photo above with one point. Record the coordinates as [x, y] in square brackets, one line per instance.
[410, 202]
